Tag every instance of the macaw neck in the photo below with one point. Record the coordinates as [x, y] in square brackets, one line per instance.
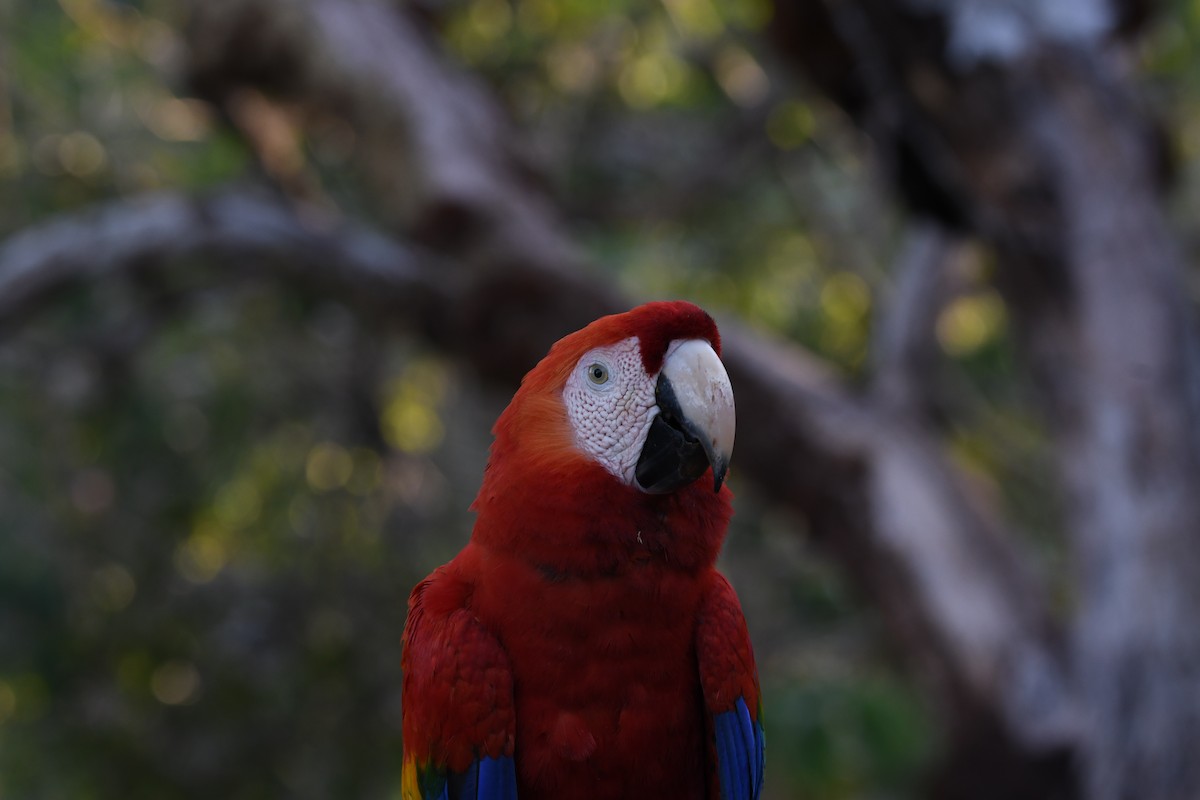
[579, 520]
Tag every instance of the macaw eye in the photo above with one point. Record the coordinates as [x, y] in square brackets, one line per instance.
[598, 374]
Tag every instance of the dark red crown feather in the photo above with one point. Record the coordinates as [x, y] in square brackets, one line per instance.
[658, 324]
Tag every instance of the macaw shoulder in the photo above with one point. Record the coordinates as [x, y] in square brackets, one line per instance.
[447, 588]
[729, 683]
[727, 669]
[457, 679]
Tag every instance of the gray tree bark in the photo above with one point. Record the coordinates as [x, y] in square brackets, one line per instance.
[1018, 117]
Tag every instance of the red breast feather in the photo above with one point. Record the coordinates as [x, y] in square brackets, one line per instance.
[593, 587]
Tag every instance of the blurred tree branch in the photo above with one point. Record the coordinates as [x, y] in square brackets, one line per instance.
[905, 347]
[1037, 144]
[242, 228]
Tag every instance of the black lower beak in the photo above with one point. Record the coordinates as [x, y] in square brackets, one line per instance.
[673, 455]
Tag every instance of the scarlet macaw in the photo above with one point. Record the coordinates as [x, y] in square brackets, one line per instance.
[582, 645]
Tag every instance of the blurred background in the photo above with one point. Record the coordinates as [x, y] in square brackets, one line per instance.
[219, 481]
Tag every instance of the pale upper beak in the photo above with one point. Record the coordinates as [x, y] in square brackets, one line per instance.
[695, 425]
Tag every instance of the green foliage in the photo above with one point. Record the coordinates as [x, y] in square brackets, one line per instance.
[846, 736]
[205, 561]
[85, 113]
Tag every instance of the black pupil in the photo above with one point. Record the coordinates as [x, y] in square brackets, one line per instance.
[597, 373]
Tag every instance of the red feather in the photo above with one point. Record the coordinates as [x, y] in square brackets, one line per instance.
[602, 601]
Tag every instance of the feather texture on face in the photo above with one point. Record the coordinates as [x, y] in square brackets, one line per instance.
[610, 406]
[535, 423]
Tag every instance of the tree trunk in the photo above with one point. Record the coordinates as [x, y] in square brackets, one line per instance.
[1035, 142]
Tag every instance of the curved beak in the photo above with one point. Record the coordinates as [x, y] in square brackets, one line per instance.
[695, 423]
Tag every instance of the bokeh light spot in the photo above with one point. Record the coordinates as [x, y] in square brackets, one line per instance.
[790, 124]
[175, 683]
[30, 696]
[411, 426]
[92, 491]
[201, 556]
[8, 702]
[410, 420]
[538, 16]
[175, 119]
[845, 297]
[572, 67]
[740, 76]
[238, 504]
[695, 19]
[490, 19]
[113, 587]
[970, 322]
[329, 466]
[81, 154]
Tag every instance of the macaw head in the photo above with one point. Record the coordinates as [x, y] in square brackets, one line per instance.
[603, 452]
[641, 395]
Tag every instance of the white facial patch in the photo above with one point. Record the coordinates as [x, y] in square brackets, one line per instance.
[610, 403]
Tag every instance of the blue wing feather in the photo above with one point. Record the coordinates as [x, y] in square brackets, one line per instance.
[740, 753]
[746, 729]
[485, 779]
[760, 747]
[725, 756]
[497, 779]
